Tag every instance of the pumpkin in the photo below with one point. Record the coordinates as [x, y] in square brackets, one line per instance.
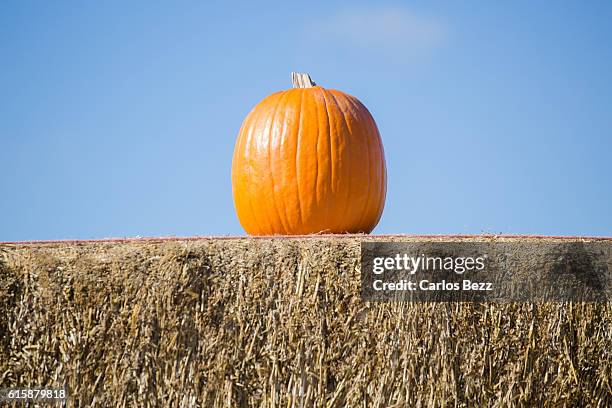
[308, 160]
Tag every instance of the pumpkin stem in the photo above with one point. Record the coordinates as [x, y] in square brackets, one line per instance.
[301, 80]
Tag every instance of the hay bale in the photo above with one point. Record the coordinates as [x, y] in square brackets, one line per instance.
[277, 322]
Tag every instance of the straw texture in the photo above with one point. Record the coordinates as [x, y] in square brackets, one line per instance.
[277, 323]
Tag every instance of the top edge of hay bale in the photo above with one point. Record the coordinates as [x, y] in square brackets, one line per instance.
[325, 237]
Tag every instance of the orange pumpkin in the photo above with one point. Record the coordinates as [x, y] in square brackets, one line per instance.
[309, 160]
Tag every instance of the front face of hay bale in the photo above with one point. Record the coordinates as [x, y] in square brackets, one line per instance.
[278, 323]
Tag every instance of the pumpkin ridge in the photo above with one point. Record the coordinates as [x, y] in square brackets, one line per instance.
[348, 143]
[280, 156]
[330, 138]
[263, 209]
[316, 157]
[271, 132]
[383, 171]
[323, 127]
[297, 159]
[247, 148]
[366, 208]
[382, 186]
[258, 215]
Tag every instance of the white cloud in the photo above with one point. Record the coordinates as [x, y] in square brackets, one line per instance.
[379, 30]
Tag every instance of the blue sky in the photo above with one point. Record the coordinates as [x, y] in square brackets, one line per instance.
[118, 119]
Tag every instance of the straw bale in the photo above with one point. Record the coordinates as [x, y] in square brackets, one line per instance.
[277, 322]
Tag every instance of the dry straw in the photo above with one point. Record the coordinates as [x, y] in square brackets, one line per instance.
[277, 323]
